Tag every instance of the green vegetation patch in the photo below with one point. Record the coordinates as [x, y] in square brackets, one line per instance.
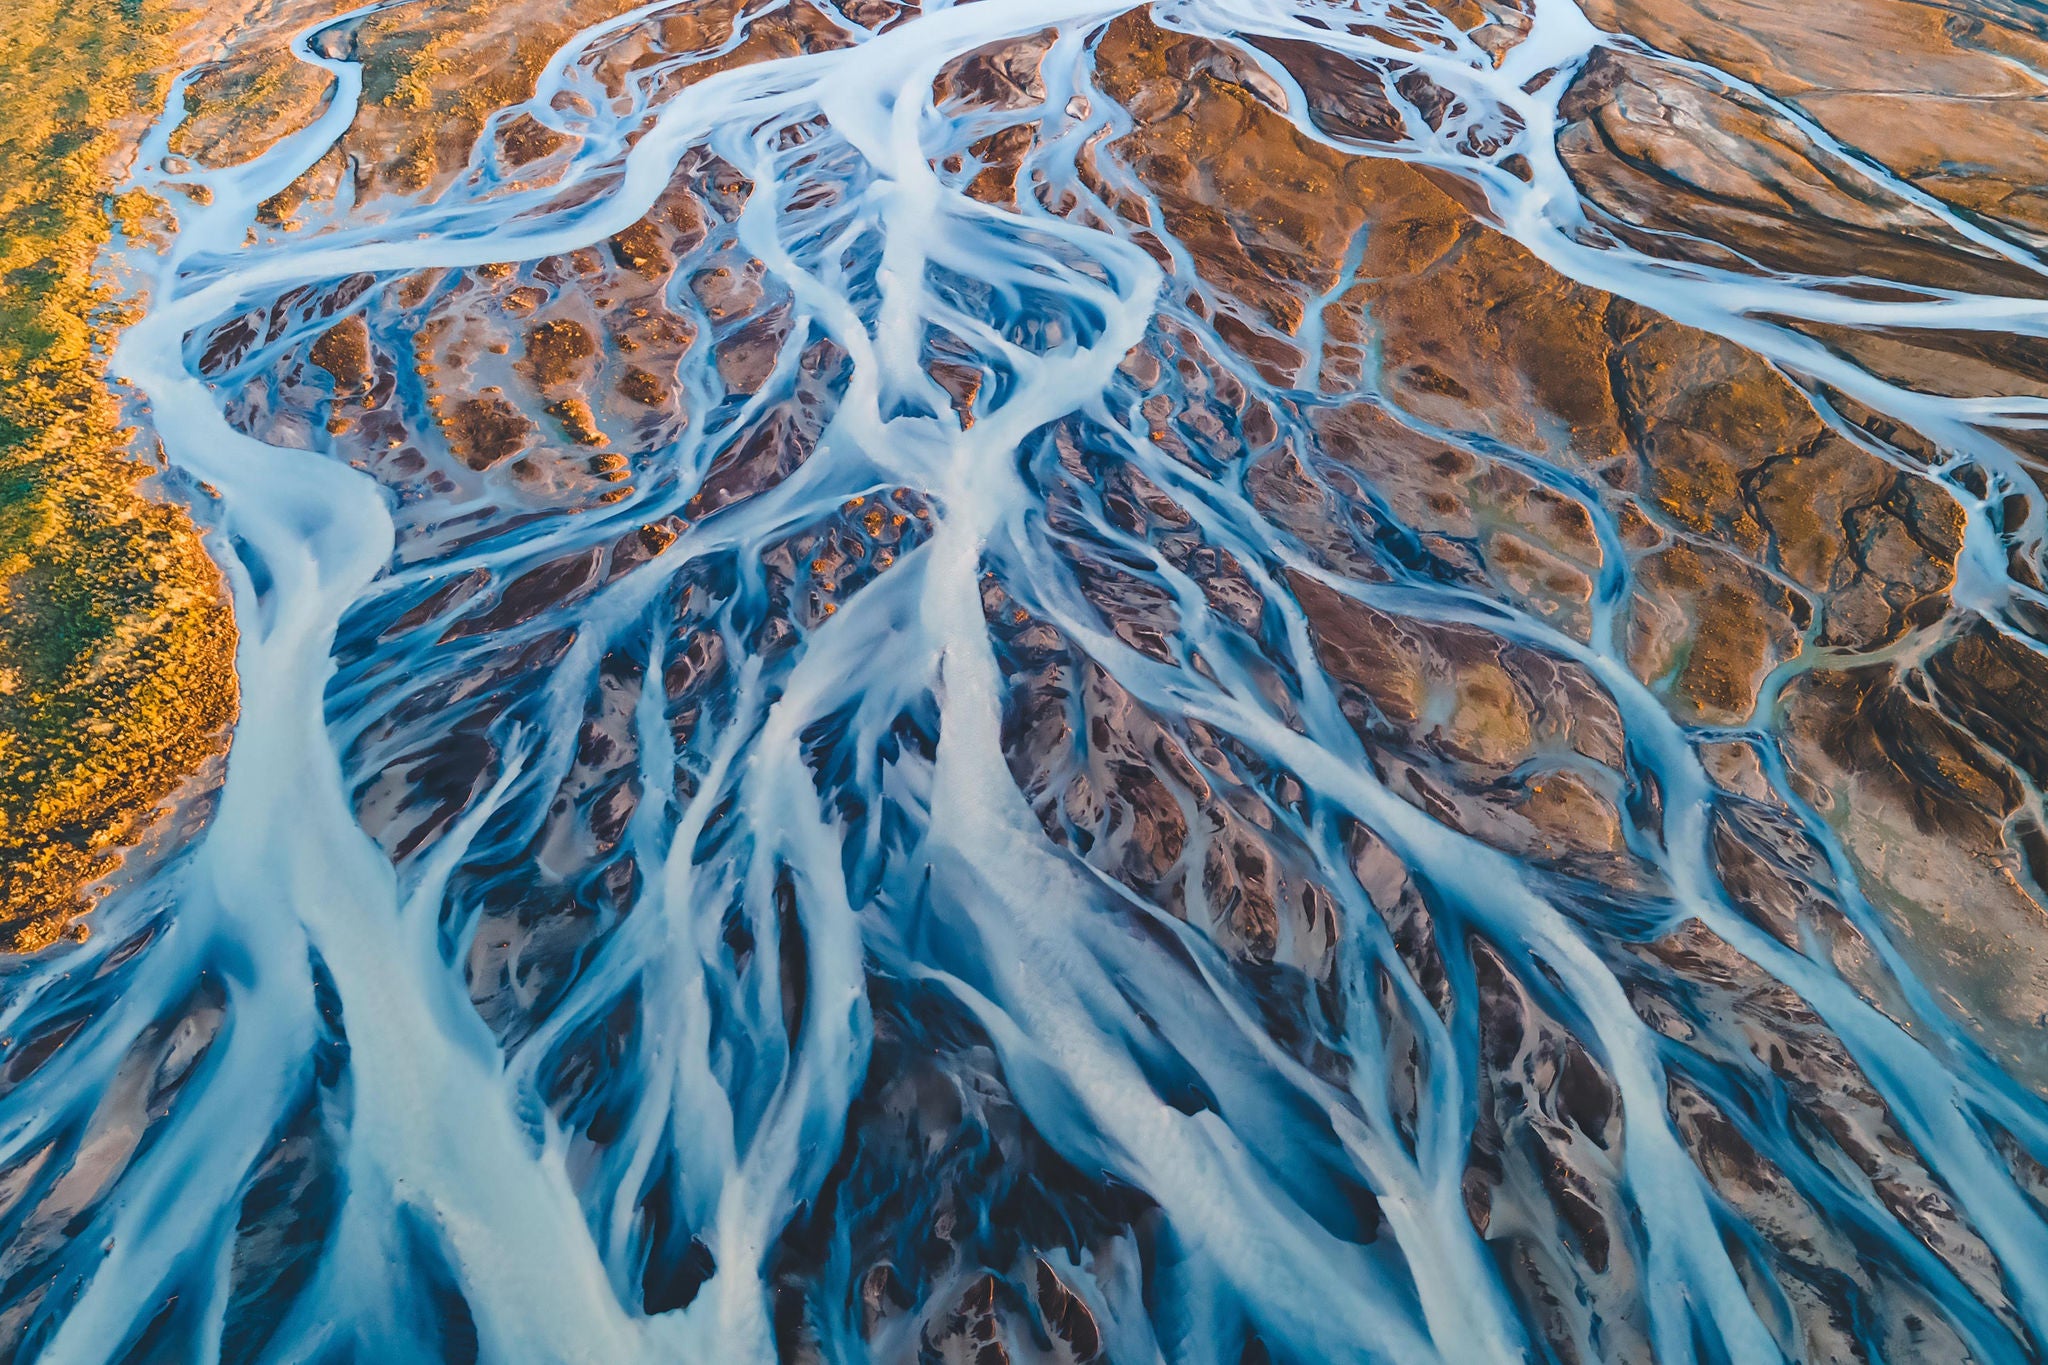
[116, 677]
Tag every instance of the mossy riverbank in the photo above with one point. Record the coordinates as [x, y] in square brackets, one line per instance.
[116, 676]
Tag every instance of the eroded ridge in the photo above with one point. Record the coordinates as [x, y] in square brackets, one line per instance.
[1075, 681]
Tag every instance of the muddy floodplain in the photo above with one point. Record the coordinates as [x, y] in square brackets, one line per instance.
[1069, 681]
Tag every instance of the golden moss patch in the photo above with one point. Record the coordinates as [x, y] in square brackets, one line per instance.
[115, 672]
